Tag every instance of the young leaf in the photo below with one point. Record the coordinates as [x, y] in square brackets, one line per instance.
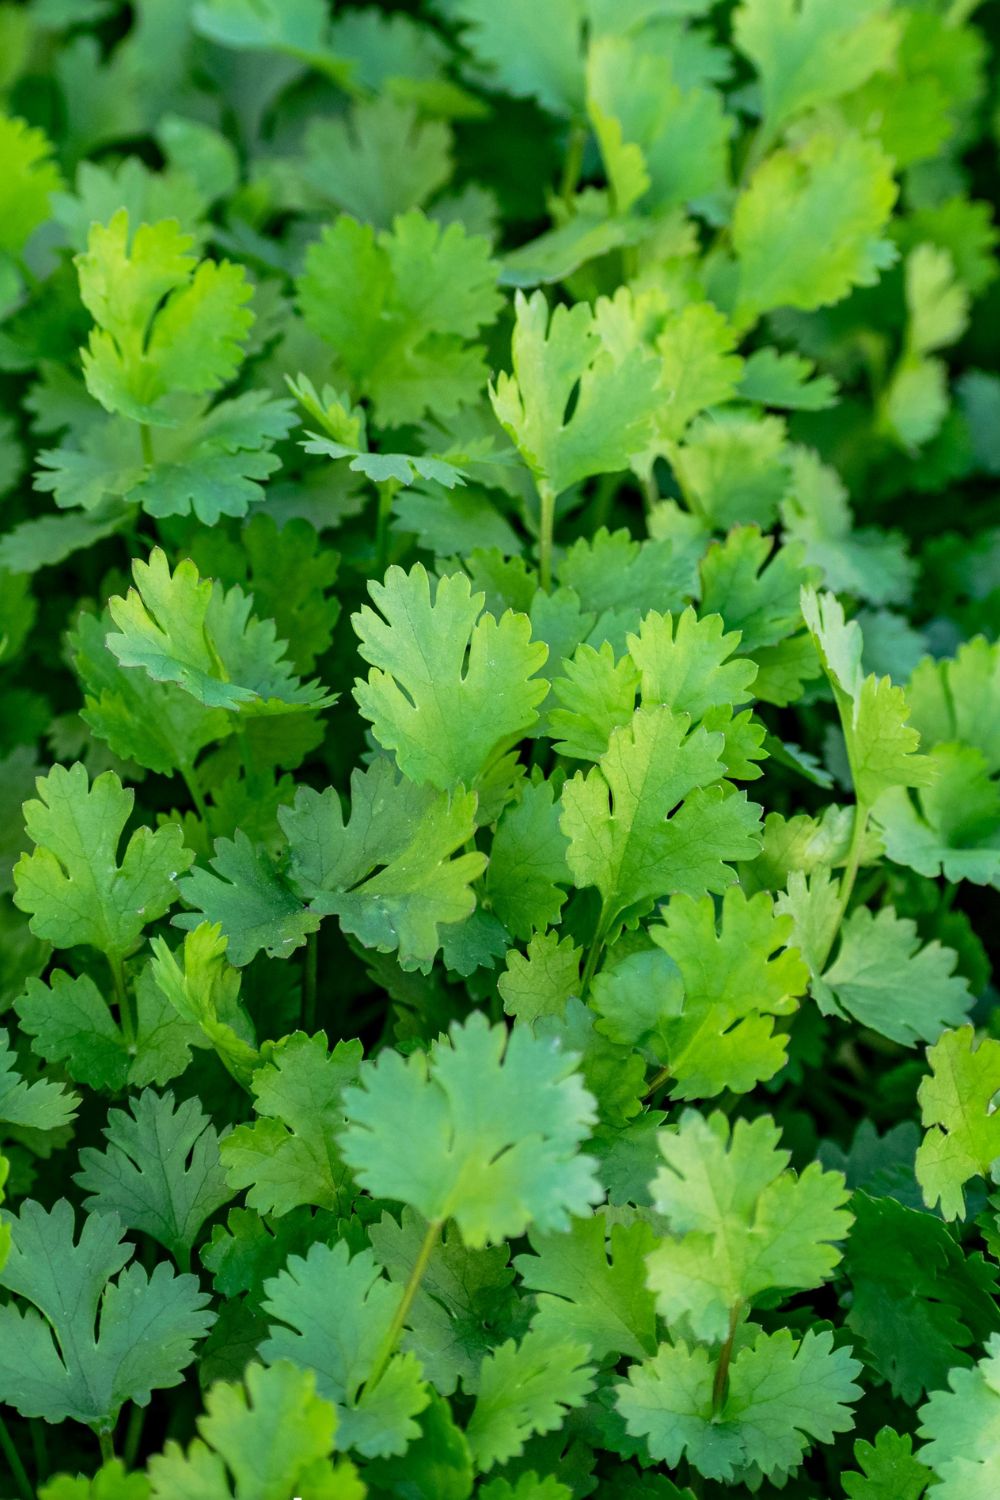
[181, 628]
[42, 1105]
[960, 1429]
[891, 1472]
[742, 1223]
[484, 1129]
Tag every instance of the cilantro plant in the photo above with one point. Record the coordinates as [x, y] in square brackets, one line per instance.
[500, 741]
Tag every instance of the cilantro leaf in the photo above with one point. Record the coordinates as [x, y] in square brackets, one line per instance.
[42, 1105]
[637, 848]
[181, 628]
[523, 1389]
[160, 1171]
[590, 1286]
[891, 1472]
[808, 226]
[273, 1437]
[744, 1223]
[959, 1426]
[72, 884]
[784, 1395]
[494, 1156]
[527, 869]
[961, 1136]
[247, 897]
[736, 980]
[55, 1366]
[290, 1154]
[330, 1315]
[450, 689]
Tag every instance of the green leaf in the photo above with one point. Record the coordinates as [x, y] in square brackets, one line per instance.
[405, 833]
[596, 694]
[71, 1024]
[72, 884]
[30, 178]
[290, 1154]
[786, 380]
[165, 324]
[484, 1129]
[684, 663]
[527, 54]
[539, 982]
[881, 746]
[590, 1286]
[450, 689]
[527, 869]
[273, 1436]
[330, 1316]
[399, 308]
[626, 837]
[742, 1223]
[890, 1470]
[617, 395]
[523, 1389]
[733, 468]
[736, 981]
[256, 909]
[961, 1429]
[465, 1302]
[885, 978]
[42, 1105]
[917, 1303]
[157, 724]
[954, 827]
[956, 699]
[160, 1172]
[807, 229]
[111, 1482]
[205, 993]
[961, 1135]
[663, 145]
[807, 53]
[784, 1395]
[181, 628]
[55, 1365]
[378, 161]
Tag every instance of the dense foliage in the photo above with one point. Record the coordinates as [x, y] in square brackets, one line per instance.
[499, 577]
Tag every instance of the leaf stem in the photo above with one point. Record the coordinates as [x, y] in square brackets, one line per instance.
[546, 531]
[858, 829]
[107, 1442]
[381, 1360]
[125, 1016]
[573, 163]
[190, 778]
[657, 1081]
[133, 1435]
[386, 494]
[40, 1448]
[310, 971]
[146, 439]
[720, 1385]
[593, 955]
[17, 1469]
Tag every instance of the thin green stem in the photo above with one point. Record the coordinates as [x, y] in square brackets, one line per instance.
[19, 1473]
[593, 956]
[117, 967]
[572, 164]
[107, 1442]
[657, 1081]
[133, 1435]
[146, 439]
[388, 1345]
[310, 972]
[650, 492]
[383, 514]
[858, 829]
[190, 778]
[720, 1385]
[40, 1448]
[546, 532]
